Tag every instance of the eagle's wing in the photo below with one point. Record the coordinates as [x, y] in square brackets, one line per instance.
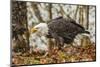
[67, 29]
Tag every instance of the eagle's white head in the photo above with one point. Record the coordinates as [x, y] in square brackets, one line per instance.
[41, 28]
[38, 40]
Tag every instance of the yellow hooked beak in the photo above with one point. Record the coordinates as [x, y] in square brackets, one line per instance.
[33, 30]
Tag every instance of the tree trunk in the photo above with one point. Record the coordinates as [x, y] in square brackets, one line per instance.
[75, 15]
[37, 12]
[81, 16]
[87, 17]
[20, 26]
[50, 11]
[63, 13]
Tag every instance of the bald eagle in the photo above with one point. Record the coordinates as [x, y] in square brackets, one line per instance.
[61, 29]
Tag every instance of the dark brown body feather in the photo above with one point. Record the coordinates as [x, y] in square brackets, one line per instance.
[64, 30]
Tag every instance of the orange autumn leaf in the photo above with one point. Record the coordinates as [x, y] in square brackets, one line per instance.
[43, 61]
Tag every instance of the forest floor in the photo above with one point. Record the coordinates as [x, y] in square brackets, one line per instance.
[69, 54]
